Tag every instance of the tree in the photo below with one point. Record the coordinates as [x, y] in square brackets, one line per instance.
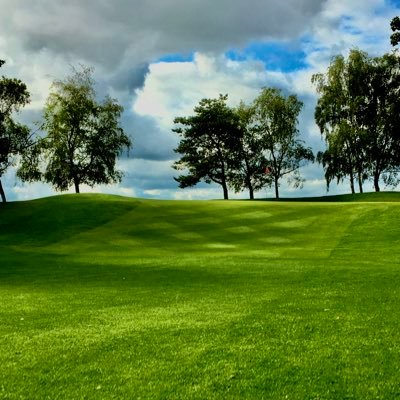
[14, 137]
[335, 161]
[249, 172]
[339, 115]
[210, 142]
[395, 26]
[359, 115]
[381, 118]
[275, 120]
[84, 137]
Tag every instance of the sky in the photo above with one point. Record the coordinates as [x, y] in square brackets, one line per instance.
[159, 58]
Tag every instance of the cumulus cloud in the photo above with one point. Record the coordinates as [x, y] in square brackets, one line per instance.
[39, 39]
[343, 25]
[174, 89]
[104, 32]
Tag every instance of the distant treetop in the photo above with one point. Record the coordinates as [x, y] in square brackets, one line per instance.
[395, 37]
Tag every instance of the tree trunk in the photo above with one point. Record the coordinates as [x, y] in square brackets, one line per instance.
[377, 174]
[223, 177]
[376, 182]
[248, 180]
[276, 188]
[76, 184]
[251, 192]
[2, 194]
[225, 190]
[352, 183]
[360, 183]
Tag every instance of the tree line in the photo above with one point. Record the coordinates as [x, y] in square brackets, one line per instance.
[244, 148]
[247, 147]
[254, 146]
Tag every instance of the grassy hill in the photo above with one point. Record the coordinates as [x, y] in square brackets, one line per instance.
[386, 197]
[111, 297]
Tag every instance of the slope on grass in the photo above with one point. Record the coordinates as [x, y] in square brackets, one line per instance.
[357, 197]
[109, 297]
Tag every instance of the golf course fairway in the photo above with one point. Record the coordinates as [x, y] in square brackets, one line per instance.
[107, 297]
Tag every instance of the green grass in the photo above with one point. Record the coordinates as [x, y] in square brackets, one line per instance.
[105, 297]
[357, 197]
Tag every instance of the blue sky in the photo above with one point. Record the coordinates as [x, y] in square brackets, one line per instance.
[160, 59]
[275, 55]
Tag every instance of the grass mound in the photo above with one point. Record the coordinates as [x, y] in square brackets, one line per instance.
[357, 197]
[110, 297]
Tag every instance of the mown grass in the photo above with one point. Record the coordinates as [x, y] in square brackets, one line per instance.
[107, 297]
[357, 197]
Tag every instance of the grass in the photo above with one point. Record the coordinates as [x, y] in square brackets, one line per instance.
[106, 297]
[357, 197]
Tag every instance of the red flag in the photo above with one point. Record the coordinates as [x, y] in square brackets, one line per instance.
[267, 170]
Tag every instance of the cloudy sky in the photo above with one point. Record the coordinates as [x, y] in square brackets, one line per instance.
[160, 57]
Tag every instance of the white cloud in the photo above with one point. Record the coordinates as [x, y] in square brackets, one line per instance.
[109, 33]
[172, 89]
[343, 25]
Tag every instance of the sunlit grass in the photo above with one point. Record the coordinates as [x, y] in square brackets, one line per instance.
[108, 297]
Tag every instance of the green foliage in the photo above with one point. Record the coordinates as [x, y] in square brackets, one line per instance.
[395, 26]
[358, 114]
[14, 137]
[210, 142]
[84, 137]
[236, 147]
[249, 172]
[338, 115]
[117, 298]
[275, 119]
[381, 117]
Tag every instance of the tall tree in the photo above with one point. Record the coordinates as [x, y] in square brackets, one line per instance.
[210, 141]
[339, 116]
[84, 136]
[381, 118]
[335, 161]
[249, 172]
[275, 119]
[14, 137]
[359, 115]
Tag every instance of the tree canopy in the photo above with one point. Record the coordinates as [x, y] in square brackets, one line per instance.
[249, 171]
[84, 136]
[14, 137]
[338, 117]
[395, 26]
[358, 115]
[210, 140]
[275, 121]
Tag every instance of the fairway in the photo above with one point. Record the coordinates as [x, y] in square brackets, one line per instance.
[107, 297]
